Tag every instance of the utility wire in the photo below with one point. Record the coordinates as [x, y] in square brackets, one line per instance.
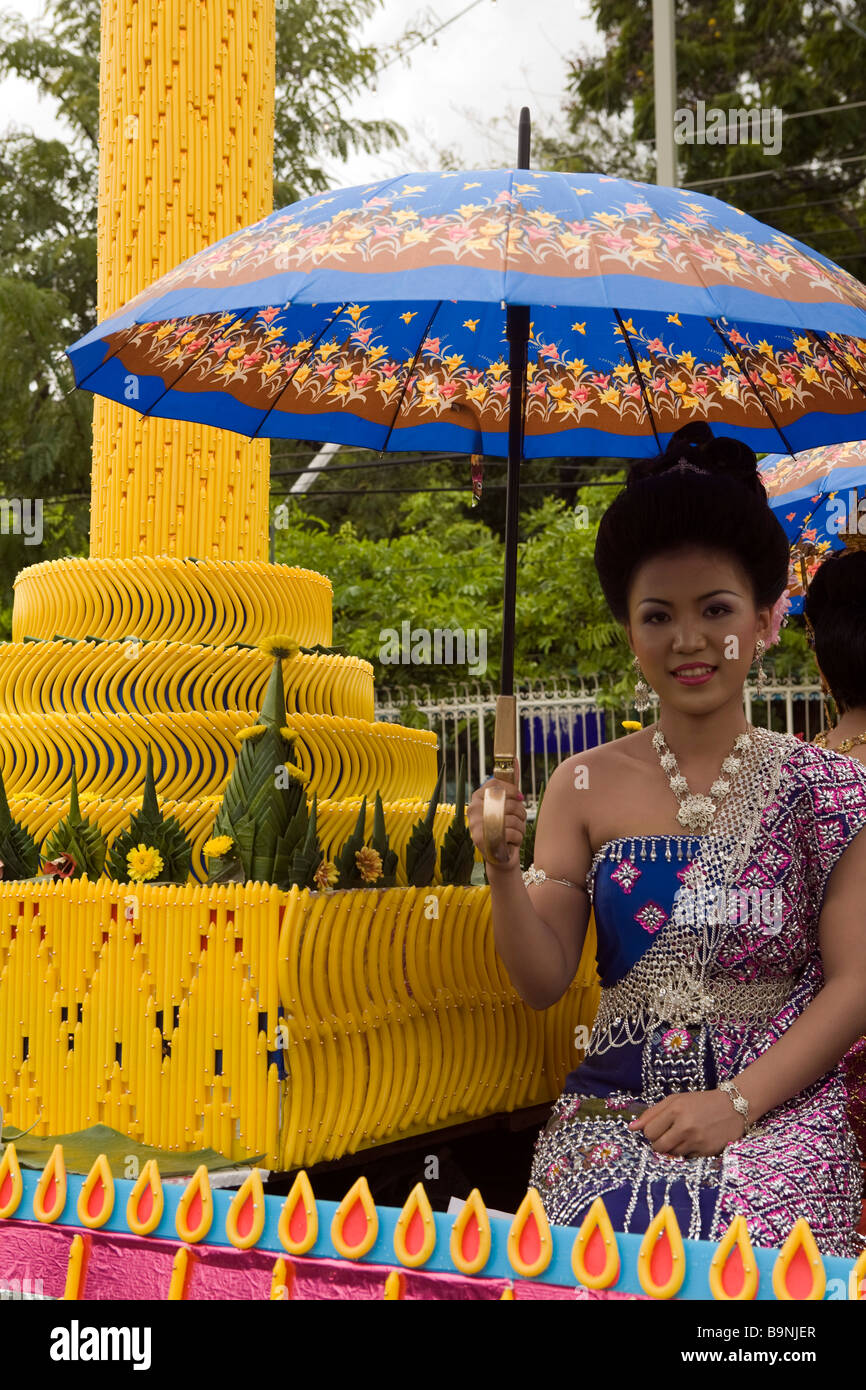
[773, 173]
[416, 491]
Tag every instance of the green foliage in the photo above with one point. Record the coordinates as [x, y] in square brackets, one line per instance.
[457, 856]
[151, 828]
[444, 569]
[421, 849]
[19, 853]
[82, 842]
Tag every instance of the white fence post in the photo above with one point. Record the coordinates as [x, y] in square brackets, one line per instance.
[570, 718]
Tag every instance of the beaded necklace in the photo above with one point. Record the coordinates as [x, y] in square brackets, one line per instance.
[697, 811]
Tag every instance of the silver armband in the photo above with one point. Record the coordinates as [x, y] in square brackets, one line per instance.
[533, 875]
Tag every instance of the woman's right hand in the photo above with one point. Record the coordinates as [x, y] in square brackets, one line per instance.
[515, 823]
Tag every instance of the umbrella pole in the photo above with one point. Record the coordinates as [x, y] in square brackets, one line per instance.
[505, 731]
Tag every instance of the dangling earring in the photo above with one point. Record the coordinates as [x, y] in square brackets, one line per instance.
[761, 678]
[641, 690]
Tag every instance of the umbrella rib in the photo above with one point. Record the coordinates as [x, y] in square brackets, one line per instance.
[409, 375]
[643, 389]
[301, 360]
[746, 373]
[80, 384]
[199, 355]
[842, 368]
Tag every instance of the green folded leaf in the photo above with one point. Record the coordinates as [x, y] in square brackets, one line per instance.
[457, 856]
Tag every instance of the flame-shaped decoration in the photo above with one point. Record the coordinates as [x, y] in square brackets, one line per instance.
[96, 1198]
[530, 1244]
[49, 1199]
[146, 1201]
[356, 1222]
[11, 1182]
[395, 1285]
[195, 1209]
[181, 1269]
[595, 1253]
[299, 1219]
[733, 1268]
[470, 1235]
[507, 1294]
[661, 1261]
[282, 1280]
[76, 1268]
[857, 1279]
[415, 1234]
[799, 1272]
[245, 1219]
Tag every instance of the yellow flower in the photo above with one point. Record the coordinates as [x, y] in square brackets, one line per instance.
[220, 844]
[292, 768]
[143, 863]
[279, 645]
[252, 732]
[369, 862]
[326, 875]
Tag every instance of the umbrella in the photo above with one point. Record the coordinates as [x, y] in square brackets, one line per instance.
[502, 312]
[817, 496]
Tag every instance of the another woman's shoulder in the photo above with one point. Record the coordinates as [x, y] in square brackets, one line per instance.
[807, 765]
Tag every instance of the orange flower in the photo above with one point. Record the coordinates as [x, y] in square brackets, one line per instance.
[369, 862]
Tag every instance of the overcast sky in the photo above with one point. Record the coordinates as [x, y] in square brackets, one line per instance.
[462, 93]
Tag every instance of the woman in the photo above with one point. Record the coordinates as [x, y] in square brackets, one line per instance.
[835, 610]
[726, 870]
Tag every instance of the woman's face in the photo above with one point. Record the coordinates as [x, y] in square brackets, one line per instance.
[693, 625]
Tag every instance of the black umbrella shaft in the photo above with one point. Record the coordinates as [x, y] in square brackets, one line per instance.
[517, 329]
[517, 332]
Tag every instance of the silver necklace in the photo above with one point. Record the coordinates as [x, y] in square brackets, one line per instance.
[697, 811]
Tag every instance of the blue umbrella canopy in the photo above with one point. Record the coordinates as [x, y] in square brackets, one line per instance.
[376, 316]
[818, 496]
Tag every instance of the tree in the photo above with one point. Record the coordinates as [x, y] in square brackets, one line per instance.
[48, 236]
[800, 57]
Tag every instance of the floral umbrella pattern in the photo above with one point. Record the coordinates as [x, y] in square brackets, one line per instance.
[719, 318]
[802, 491]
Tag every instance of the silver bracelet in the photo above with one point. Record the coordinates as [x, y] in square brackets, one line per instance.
[533, 875]
[739, 1102]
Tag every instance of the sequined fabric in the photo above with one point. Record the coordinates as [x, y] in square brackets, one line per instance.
[707, 953]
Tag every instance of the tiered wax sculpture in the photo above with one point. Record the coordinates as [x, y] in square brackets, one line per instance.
[110, 658]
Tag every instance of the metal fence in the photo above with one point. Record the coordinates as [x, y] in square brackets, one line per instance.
[560, 717]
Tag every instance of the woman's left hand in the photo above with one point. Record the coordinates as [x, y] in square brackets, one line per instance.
[692, 1122]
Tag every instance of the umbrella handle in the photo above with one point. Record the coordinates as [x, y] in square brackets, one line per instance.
[504, 768]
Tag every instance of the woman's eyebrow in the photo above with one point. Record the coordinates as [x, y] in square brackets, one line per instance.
[701, 597]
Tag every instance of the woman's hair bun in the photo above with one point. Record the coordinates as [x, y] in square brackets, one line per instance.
[696, 445]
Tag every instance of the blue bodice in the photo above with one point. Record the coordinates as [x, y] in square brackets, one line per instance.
[634, 880]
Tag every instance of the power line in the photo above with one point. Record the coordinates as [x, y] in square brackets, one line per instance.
[773, 173]
[417, 491]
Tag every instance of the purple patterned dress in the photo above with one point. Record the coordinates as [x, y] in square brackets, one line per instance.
[707, 952]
